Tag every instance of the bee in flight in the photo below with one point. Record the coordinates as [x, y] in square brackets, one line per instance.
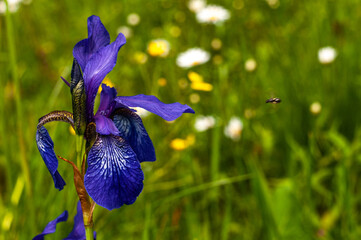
[273, 100]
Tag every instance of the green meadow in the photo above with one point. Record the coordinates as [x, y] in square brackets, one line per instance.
[292, 172]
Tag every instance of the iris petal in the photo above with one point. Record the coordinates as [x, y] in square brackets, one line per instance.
[168, 112]
[105, 126]
[114, 176]
[98, 37]
[131, 128]
[46, 149]
[107, 96]
[99, 65]
[78, 232]
[51, 227]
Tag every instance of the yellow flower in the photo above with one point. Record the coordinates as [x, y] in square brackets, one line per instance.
[195, 77]
[158, 48]
[180, 144]
[107, 82]
[197, 82]
[201, 86]
[162, 82]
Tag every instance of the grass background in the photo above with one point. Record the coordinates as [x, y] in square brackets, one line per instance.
[292, 175]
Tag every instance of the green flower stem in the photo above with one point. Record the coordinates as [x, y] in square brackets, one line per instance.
[89, 233]
[88, 224]
[80, 150]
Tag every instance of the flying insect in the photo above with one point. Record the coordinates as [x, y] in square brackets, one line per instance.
[273, 100]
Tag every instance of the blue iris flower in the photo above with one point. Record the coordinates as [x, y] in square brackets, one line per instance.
[113, 176]
[78, 232]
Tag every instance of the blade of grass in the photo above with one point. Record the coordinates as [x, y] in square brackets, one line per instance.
[18, 103]
[147, 221]
[206, 186]
[262, 194]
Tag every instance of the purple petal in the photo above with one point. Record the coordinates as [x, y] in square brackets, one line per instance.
[99, 65]
[114, 176]
[78, 232]
[51, 227]
[105, 126]
[46, 149]
[98, 37]
[168, 112]
[131, 128]
[107, 97]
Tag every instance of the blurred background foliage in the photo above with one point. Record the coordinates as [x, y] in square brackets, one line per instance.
[292, 170]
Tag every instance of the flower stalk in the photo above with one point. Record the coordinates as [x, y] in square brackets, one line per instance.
[88, 232]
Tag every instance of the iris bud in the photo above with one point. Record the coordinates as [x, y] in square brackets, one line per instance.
[77, 90]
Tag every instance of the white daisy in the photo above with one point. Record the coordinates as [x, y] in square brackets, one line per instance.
[315, 108]
[133, 19]
[196, 5]
[273, 3]
[327, 55]
[13, 6]
[204, 123]
[213, 14]
[127, 31]
[250, 65]
[234, 129]
[192, 57]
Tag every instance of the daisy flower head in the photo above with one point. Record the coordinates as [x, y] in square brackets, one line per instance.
[273, 3]
[133, 19]
[315, 108]
[158, 48]
[203, 123]
[213, 14]
[327, 55]
[234, 129]
[250, 65]
[13, 6]
[196, 5]
[127, 31]
[192, 57]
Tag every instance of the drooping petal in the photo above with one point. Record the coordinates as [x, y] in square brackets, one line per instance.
[168, 112]
[105, 126]
[99, 65]
[131, 128]
[114, 176]
[98, 37]
[78, 232]
[51, 227]
[107, 96]
[46, 149]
